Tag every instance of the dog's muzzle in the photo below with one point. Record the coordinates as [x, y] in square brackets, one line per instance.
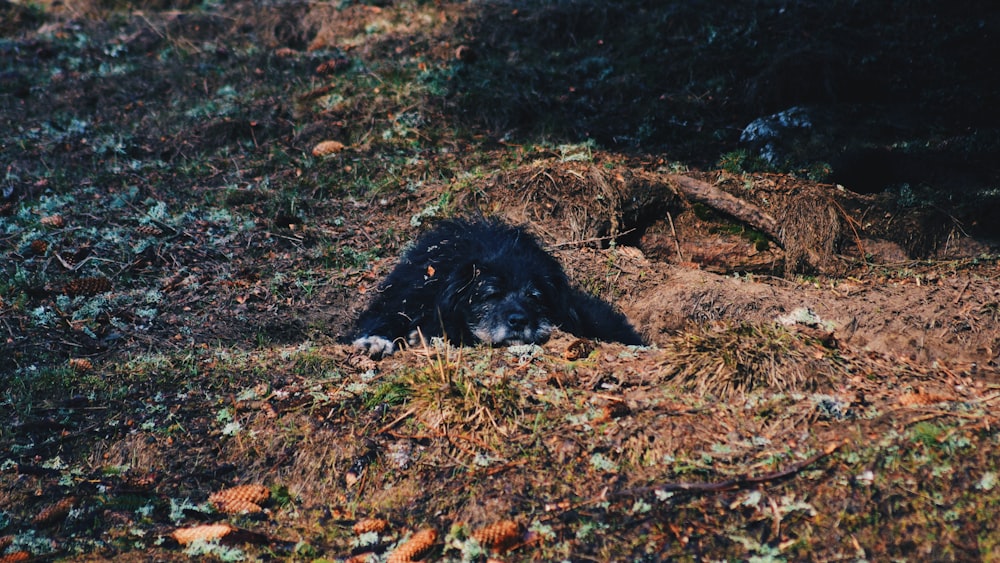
[509, 322]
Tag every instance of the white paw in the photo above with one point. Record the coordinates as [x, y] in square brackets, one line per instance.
[375, 346]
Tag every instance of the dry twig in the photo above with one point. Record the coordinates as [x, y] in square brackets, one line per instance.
[729, 484]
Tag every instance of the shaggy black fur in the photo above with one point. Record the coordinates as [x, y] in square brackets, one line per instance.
[481, 281]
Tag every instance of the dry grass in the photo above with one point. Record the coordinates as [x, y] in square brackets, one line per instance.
[730, 362]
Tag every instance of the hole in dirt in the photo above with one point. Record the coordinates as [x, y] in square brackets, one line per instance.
[716, 242]
[638, 222]
[982, 221]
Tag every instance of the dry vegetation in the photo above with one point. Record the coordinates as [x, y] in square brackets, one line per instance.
[197, 198]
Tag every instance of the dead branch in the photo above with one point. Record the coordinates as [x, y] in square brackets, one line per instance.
[715, 198]
[730, 484]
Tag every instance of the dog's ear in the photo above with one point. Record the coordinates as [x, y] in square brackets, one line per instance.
[458, 284]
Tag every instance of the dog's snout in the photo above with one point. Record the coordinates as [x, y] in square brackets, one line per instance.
[517, 320]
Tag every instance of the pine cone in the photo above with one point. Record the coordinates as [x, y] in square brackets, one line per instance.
[416, 547]
[327, 147]
[206, 532]
[81, 365]
[921, 398]
[333, 65]
[578, 349]
[5, 542]
[238, 507]
[614, 410]
[366, 525]
[87, 286]
[500, 536]
[15, 557]
[39, 246]
[149, 231]
[242, 498]
[55, 221]
[54, 513]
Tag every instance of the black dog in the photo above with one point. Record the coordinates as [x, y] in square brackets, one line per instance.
[481, 281]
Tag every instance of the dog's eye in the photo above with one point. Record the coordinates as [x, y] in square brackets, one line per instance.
[489, 293]
[534, 295]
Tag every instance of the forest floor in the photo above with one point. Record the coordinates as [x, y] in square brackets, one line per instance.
[198, 198]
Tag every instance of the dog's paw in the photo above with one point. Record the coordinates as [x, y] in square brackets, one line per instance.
[375, 346]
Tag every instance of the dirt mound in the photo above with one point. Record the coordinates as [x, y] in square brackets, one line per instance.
[950, 319]
[728, 224]
[581, 208]
[576, 202]
[949, 315]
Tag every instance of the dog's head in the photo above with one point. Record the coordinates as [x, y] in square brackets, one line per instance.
[504, 304]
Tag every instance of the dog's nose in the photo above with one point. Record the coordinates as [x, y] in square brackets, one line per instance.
[517, 321]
